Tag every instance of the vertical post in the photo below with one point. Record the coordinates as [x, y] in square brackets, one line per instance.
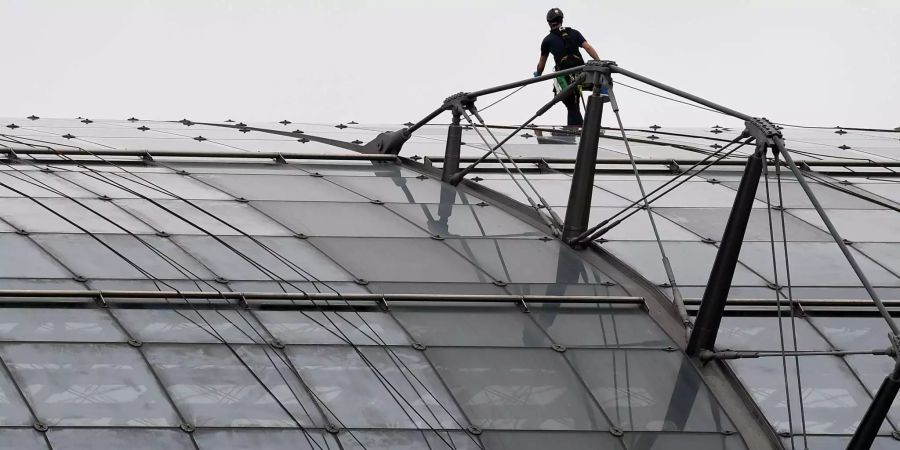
[454, 143]
[706, 326]
[579, 206]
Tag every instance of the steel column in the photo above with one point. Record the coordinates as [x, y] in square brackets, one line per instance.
[579, 207]
[452, 150]
[706, 326]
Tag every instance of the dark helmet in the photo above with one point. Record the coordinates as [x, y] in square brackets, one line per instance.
[554, 15]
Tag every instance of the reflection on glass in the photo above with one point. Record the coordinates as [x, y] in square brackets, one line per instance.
[58, 324]
[213, 388]
[833, 400]
[379, 389]
[649, 390]
[513, 389]
[88, 384]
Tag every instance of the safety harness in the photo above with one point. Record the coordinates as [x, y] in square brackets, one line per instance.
[572, 57]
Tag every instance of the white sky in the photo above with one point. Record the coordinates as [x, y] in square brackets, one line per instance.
[817, 62]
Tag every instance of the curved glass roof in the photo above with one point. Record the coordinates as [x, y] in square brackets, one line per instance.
[200, 371]
[423, 372]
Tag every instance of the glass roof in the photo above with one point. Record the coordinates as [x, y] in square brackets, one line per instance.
[206, 374]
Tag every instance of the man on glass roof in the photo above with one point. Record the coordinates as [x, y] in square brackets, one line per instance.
[565, 44]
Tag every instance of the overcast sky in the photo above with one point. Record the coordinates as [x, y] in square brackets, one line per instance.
[815, 62]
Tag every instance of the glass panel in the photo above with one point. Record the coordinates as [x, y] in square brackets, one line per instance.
[151, 185]
[113, 439]
[437, 288]
[556, 192]
[649, 390]
[557, 440]
[837, 442]
[30, 260]
[471, 326]
[854, 333]
[28, 215]
[710, 223]
[690, 194]
[344, 287]
[232, 214]
[833, 400]
[264, 439]
[397, 259]
[154, 285]
[22, 439]
[189, 325]
[285, 383]
[354, 168]
[339, 219]
[691, 262]
[878, 226]
[34, 183]
[399, 190]
[245, 168]
[305, 260]
[89, 258]
[13, 410]
[528, 261]
[566, 289]
[666, 441]
[465, 220]
[88, 384]
[600, 325]
[872, 370]
[841, 293]
[638, 226]
[58, 324]
[795, 197]
[265, 187]
[315, 327]
[762, 333]
[890, 191]
[213, 388]
[407, 440]
[884, 254]
[527, 389]
[813, 264]
[340, 377]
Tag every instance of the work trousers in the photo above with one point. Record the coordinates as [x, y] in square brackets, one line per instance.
[573, 105]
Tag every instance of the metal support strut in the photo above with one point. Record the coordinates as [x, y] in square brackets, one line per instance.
[454, 138]
[579, 206]
[712, 307]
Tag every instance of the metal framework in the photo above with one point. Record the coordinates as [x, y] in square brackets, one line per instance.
[766, 135]
[593, 75]
[146, 155]
[7, 295]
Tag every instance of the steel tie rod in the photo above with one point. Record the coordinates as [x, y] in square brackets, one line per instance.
[455, 179]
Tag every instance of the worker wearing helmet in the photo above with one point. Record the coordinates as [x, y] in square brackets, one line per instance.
[565, 44]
